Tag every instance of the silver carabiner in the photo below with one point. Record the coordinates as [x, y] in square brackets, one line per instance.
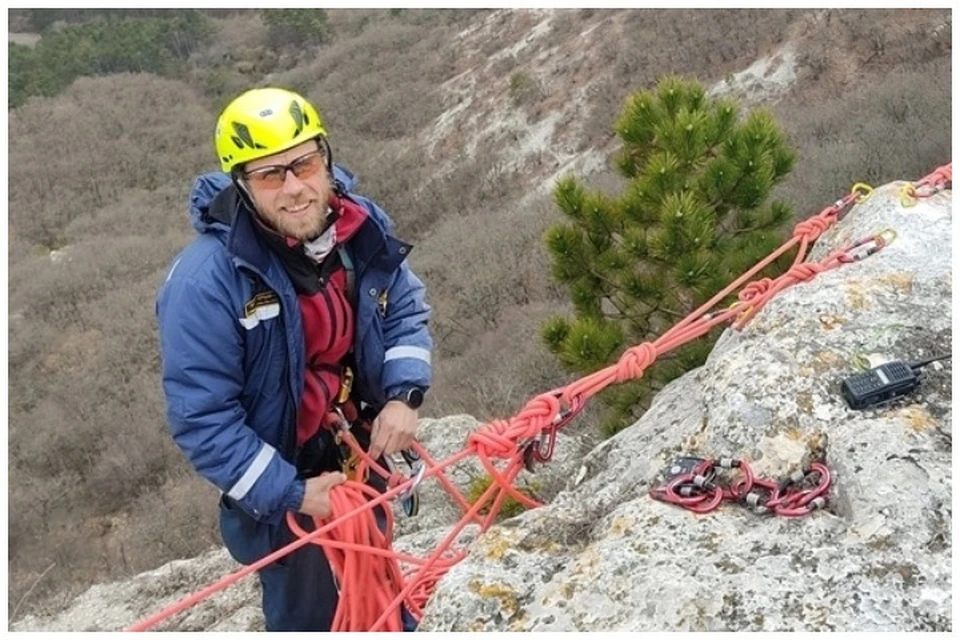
[410, 497]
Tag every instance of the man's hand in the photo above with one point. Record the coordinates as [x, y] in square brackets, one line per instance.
[393, 430]
[316, 494]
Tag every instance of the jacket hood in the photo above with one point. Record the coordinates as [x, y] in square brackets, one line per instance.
[207, 186]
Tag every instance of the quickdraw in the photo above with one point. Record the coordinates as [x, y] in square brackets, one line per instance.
[858, 193]
[867, 246]
[695, 485]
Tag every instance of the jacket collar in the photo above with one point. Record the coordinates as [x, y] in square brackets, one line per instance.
[243, 241]
[246, 243]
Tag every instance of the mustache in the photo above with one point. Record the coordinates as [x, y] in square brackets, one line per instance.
[297, 205]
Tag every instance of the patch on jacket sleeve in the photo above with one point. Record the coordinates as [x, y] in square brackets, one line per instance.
[263, 306]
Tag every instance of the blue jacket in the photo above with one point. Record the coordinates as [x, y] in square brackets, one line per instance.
[232, 346]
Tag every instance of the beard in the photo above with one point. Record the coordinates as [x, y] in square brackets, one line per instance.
[301, 226]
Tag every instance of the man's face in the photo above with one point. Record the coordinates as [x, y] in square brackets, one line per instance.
[294, 206]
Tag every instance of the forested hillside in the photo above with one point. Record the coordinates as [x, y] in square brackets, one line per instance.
[457, 122]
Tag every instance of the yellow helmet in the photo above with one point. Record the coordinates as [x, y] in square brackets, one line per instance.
[262, 122]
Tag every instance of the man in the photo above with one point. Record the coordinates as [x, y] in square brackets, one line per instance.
[295, 300]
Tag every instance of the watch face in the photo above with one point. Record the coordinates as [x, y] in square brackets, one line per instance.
[414, 398]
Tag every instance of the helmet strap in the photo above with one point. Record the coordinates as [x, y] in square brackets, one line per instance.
[339, 188]
[245, 195]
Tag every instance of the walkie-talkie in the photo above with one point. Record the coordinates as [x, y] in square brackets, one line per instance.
[884, 383]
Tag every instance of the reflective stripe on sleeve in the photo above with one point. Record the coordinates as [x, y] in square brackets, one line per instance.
[253, 472]
[418, 353]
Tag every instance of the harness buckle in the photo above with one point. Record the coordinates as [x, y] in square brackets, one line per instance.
[346, 384]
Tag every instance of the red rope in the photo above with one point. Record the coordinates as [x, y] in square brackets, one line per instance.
[368, 571]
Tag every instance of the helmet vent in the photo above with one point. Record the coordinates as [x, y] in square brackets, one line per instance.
[300, 118]
[243, 137]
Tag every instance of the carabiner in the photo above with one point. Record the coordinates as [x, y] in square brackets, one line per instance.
[529, 447]
[341, 425]
[908, 195]
[866, 247]
[863, 191]
[543, 445]
[410, 498]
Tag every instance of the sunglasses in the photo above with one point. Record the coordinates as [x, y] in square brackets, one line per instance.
[273, 176]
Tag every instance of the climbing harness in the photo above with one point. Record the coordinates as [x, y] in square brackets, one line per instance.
[373, 585]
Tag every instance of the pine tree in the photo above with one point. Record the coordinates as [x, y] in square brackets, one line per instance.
[692, 217]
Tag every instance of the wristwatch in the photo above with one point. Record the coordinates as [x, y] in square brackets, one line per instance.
[410, 396]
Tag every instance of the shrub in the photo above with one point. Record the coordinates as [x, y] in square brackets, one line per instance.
[522, 88]
[125, 131]
[897, 126]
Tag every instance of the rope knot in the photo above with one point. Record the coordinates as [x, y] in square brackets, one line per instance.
[812, 228]
[755, 290]
[634, 361]
[492, 440]
[940, 177]
[804, 271]
[543, 408]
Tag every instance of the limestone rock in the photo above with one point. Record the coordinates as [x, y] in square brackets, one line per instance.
[604, 556]
[116, 606]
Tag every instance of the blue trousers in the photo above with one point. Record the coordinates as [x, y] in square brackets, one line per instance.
[299, 593]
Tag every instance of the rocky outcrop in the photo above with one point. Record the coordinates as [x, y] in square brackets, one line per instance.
[604, 556]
